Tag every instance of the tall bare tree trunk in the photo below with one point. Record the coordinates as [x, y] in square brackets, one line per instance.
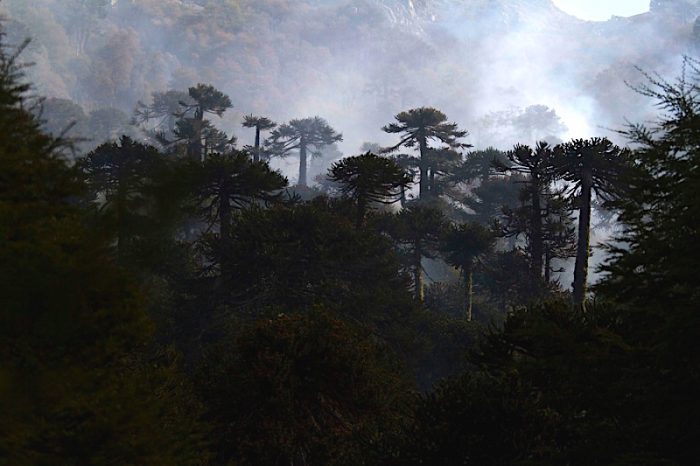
[583, 242]
[302, 163]
[423, 186]
[256, 154]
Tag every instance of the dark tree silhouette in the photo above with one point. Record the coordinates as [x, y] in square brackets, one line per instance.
[478, 165]
[442, 163]
[536, 165]
[260, 124]
[592, 166]
[119, 173]
[418, 230]
[417, 127]
[192, 125]
[368, 179]
[461, 247]
[227, 182]
[302, 135]
[164, 108]
[73, 326]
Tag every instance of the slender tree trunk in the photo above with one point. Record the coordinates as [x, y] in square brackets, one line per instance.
[423, 187]
[302, 163]
[583, 242]
[256, 154]
[469, 276]
[418, 274]
[547, 266]
[195, 145]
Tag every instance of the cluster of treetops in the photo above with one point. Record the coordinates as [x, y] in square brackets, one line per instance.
[174, 301]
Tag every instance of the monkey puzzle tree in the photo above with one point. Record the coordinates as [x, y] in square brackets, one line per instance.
[461, 247]
[417, 229]
[417, 127]
[231, 181]
[302, 135]
[118, 174]
[536, 166]
[592, 166]
[368, 179]
[192, 125]
[260, 124]
[478, 165]
[442, 162]
[164, 108]
[558, 232]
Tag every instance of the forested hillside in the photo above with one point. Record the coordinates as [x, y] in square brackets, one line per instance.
[355, 62]
[272, 233]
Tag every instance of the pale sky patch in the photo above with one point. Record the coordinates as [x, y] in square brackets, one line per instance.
[601, 10]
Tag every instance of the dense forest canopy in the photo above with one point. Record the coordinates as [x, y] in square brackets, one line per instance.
[348, 232]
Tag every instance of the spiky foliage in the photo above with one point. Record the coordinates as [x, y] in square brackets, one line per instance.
[461, 246]
[120, 177]
[418, 127]
[417, 229]
[536, 166]
[260, 124]
[302, 135]
[207, 99]
[192, 126]
[591, 166]
[478, 165]
[164, 108]
[658, 246]
[368, 179]
[227, 182]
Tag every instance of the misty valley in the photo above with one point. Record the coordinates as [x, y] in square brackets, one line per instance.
[348, 232]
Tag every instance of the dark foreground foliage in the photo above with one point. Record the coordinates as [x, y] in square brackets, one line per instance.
[179, 305]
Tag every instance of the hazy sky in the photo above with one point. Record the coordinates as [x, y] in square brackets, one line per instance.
[600, 10]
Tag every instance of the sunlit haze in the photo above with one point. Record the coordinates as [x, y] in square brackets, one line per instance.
[601, 10]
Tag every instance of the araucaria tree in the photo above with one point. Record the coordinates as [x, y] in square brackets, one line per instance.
[461, 247]
[192, 125]
[164, 108]
[120, 175]
[368, 179]
[591, 166]
[224, 183]
[302, 135]
[418, 229]
[536, 165]
[260, 124]
[417, 127]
